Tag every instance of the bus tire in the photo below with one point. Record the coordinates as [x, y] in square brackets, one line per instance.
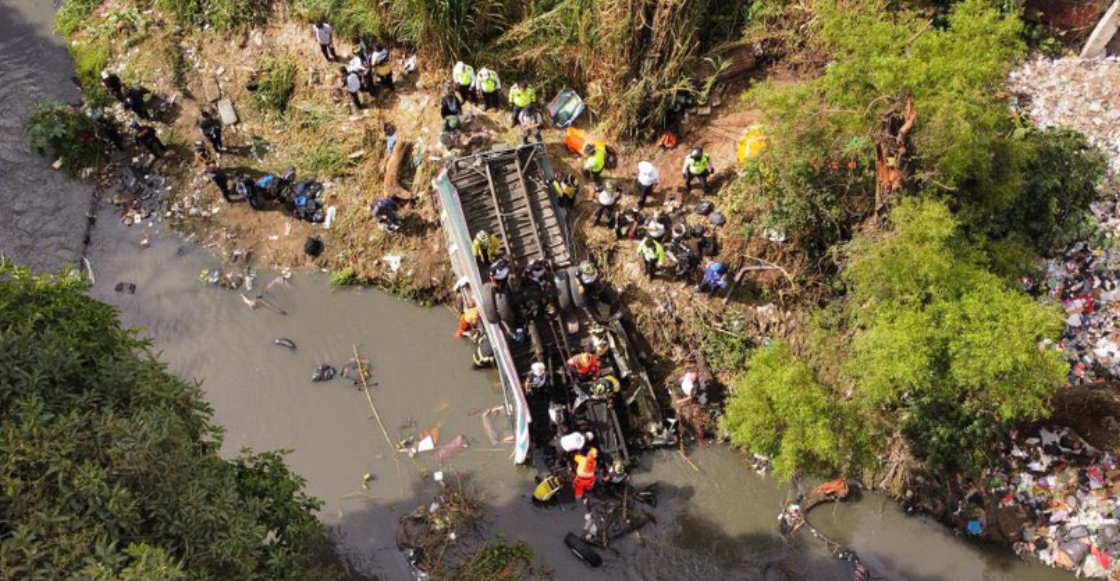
[564, 292]
[575, 288]
[503, 304]
[489, 304]
[583, 550]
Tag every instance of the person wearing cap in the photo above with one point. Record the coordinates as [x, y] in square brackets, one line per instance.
[381, 65]
[487, 84]
[134, 101]
[485, 248]
[520, 97]
[596, 160]
[211, 129]
[450, 110]
[483, 353]
[463, 75]
[537, 379]
[531, 121]
[607, 196]
[652, 253]
[537, 271]
[628, 223]
[499, 274]
[648, 178]
[585, 471]
[468, 323]
[324, 35]
[585, 366]
[715, 278]
[697, 166]
[113, 84]
[107, 130]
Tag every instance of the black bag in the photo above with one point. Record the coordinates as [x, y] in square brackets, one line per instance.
[313, 247]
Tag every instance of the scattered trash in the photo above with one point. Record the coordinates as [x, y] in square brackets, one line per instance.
[313, 247]
[285, 343]
[331, 213]
[394, 261]
[122, 286]
[365, 480]
[323, 373]
[426, 445]
[451, 449]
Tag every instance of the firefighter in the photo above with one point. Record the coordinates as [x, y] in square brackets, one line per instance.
[468, 323]
[584, 366]
[585, 471]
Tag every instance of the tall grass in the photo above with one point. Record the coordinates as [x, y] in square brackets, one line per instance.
[90, 58]
[347, 17]
[277, 87]
[449, 30]
[72, 15]
[219, 14]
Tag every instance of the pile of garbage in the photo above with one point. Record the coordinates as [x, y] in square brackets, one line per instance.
[1074, 92]
[1083, 281]
[1065, 495]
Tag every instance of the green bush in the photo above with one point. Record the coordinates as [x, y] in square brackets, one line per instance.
[175, 59]
[219, 14]
[779, 408]
[112, 467]
[277, 86]
[67, 133]
[1061, 179]
[72, 15]
[931, 324]
[347, 17]
[90, 58]
[450, 30]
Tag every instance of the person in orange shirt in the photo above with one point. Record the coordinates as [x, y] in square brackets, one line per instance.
[468, 323]
[584, 365]
[585, 471]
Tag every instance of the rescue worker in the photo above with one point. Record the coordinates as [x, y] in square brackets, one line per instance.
[220, 179]
[537, 271]
[499, 274]
[616, 475]
[715, 278]
[352, 82]
[483, 354]
[653, 254]
[113, 84]
[588, 274]
[324, 36]
[520, 98]
[247, 189]
[585, 471]
[134, 101]
[387, 213]
[531, 121]
[107, 130]
[566, 191]
[382, 66]
[628, 223]
[489, 86]
[468, 323]
[147, 137]
[202, 153]
[607, 196]
[450, 110]
[596, 160]
[697, 166]
[463, 75]
[648, 178]
[485, 248]
[537, 379]
[585, 366]
[575, 441]
[606, 387]
[211, 129]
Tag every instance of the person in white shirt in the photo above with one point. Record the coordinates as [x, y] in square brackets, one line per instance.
[648, 178]
[607, 196]
[324, 35]
[352, 82]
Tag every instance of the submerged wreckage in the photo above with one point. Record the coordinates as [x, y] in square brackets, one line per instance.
[572, 373]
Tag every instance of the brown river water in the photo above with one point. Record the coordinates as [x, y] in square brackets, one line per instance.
[717, 523]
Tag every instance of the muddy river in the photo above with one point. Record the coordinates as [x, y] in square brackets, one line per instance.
[719, 521]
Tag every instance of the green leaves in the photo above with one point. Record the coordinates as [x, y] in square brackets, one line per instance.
[67, 133]
[102, 448]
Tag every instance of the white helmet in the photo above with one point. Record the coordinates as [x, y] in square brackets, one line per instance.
[538, 368]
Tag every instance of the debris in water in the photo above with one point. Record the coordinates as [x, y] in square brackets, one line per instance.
[365, 480]
[426, 445]
[323, 373]
[283, 342]
[451, 449]
[248, 301]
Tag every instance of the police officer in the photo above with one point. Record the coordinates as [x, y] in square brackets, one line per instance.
[697, 166]
[520, 97]
[463, 75]
[488, 85]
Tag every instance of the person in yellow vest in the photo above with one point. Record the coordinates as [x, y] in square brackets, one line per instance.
[596, 160]
[697, 166]
[653, 254]
[585, 471]
[566, 191]
[463, 75]
[485, 248]
[468, 323]
[520, 97]
[487, 83]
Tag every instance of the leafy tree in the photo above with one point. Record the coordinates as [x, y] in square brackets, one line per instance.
[932, 325]
[111, 466]
[779, 408]
[67, 133]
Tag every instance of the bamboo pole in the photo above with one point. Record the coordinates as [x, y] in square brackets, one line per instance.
[377, 416]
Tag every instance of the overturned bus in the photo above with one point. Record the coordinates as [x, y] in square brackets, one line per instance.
[505, 191]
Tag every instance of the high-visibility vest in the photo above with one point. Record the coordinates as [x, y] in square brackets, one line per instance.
[491, 249]
[584, 363]
[698, 166]
[487, 80]
[651, 249]
[521, 96]
[585, 464]
[563, 190]
[597, 160]
[465, 75]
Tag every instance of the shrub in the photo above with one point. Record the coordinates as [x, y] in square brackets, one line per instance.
[72, 15]
[346, 17]
[779, 408]
[113, 467]
[276, 88]
[219, 14]
[175, 59]
[90, 58]
[67, 133]
[930, 324]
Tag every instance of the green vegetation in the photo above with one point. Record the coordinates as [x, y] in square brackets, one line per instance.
[73, 15]
[496, 561]
[780, 409]
[277, 85]
[67, 133]
[111, 464]
[345, 277]
[219, 14]
[90, 58]
[347, 17]
[175, 59]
